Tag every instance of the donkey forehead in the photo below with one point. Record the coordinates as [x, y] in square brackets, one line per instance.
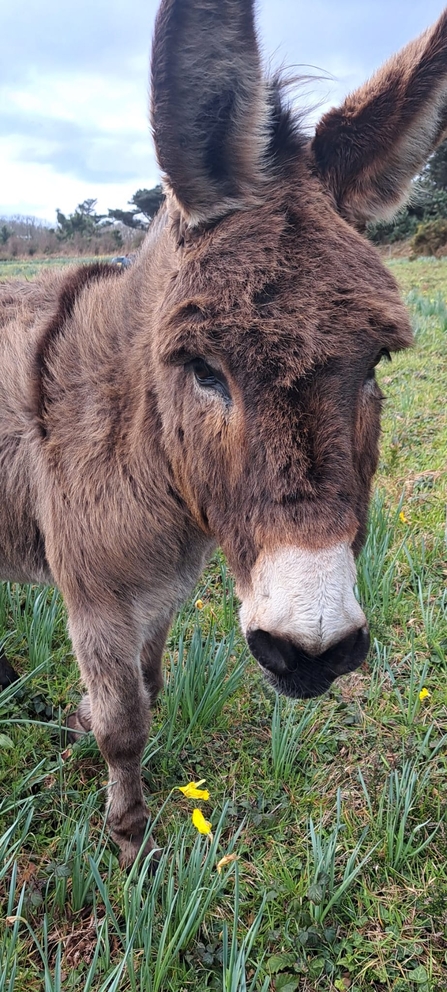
[292, 284]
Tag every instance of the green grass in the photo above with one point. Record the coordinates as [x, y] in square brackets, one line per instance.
[334, 810]
[22, 268]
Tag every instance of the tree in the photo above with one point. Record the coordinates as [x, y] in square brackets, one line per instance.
[83, 221]
[128, 218]
[5, 234]
[88, 208]
[427, 203]
[148, 201]
[145, 202]
[435, 171]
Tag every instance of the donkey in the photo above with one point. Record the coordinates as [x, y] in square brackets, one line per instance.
[221, 390]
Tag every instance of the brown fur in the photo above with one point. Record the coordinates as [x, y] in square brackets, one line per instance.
[70, 291]
[119, 472]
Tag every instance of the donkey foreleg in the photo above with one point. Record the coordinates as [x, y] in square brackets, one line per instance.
[117, 710]
[80, 722]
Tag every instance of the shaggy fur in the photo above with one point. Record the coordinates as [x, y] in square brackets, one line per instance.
[121, 464]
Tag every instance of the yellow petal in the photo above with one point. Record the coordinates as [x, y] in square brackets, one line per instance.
[403, 518]
[199, 604]
[192, 790]
[226, 860]
[424, 694]
[202, 825]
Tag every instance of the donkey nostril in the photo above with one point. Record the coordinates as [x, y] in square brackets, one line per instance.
[354, 648]
[283, 657]
[273, 653]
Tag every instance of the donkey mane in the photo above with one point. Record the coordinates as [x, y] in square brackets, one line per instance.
[286, 139]
[75, 282]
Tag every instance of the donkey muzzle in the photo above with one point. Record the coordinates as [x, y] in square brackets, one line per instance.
[293, 672]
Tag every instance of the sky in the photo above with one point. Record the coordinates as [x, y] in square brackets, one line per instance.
[74, 86]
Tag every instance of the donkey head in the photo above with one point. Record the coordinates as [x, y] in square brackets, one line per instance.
[272, 314]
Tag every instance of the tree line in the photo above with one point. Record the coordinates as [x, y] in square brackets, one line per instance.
[84, 231]
[422, 223]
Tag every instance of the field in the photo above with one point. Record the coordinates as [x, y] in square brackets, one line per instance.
[331, 814]
[18, 268]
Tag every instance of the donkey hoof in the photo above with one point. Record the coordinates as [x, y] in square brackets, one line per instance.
[8, 674]
[74, 728]
[80, 722]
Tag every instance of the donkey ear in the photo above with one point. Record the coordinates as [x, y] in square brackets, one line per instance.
[368, 150]
[208, 104]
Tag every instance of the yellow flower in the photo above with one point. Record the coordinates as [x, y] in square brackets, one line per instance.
[403, 518]
[226, 860]
[193, 790]
[199, 604]
[424, 694]
[202, 825]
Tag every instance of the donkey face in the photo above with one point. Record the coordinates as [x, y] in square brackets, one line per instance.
[276, 313]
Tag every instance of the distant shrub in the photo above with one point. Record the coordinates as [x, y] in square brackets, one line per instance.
[430, 238]
[387, 232]
[24, 236]
[427, 203]
[5, 234]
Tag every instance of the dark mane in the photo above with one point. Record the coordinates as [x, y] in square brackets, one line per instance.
[286, 133]
[77, 280]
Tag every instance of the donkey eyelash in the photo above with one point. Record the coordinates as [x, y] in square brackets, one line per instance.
[208, 378]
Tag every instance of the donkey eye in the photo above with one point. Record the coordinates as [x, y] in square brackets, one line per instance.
[209, 378]
[204, 374]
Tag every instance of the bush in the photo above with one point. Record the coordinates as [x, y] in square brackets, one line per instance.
[387, 232]
[427, 203]
[430, 238]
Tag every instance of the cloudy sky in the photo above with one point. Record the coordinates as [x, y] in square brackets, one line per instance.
[73, 85]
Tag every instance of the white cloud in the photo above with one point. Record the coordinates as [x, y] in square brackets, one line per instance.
[74, 80]
[90, 98]
[49, 189]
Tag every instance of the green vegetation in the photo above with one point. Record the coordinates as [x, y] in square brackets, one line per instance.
[422, 222]
[427, 277]
[83, 232]
[24, 269]
[429, 237]
[332, 812]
